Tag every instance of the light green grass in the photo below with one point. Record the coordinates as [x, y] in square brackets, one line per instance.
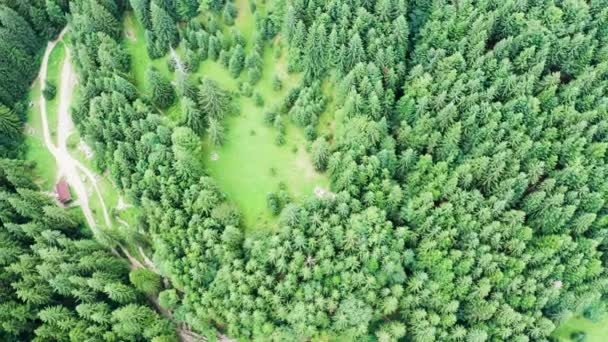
[45, 169]
[249, 153]
[135, 42]
[243, 169]
[596, 332]
[56, 59]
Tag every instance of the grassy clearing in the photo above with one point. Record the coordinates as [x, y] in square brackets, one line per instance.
[250, 163]
[245, 21]
[56, 59]
[596, 332]
[46, 169]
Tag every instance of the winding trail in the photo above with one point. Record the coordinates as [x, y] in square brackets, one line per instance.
[75, 172]
[68, 167]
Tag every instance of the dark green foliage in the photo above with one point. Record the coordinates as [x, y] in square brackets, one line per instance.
[215, 131]
[254, 67]
[277, 84]
[578, 336]
[258, 99]
[160, 89]
[164, 28]
[111, 55]
[141, 8]
[308, 106]
[320, 154]
[49, 91]
[187, 9]
[229, 13]
[273, 203]
[24, 26]
[10, 124]
[52, 279]
[193, 117]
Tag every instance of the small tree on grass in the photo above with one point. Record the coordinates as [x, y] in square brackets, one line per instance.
[216, 132]
[280, 126]
[237, 61]
[578, 336]
[277, 84]
[50, 91]
[145, 280]
[160, 89]
[274, 203]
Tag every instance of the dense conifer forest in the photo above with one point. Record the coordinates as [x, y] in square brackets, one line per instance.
[457, 150]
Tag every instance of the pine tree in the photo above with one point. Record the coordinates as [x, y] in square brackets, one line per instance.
[9, 123]
[315, 54]
[216, 132]
[320, 154]
[193, 117]
[187, 9]
[145, 280]
[141, 8]
[212, 100]
[164, 27]
[237, 60]
[160, 89]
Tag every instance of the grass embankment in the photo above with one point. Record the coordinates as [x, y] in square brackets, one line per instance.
[46, 168]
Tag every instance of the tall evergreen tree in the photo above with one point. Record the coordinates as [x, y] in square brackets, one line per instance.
[164, 27]
[159, 88]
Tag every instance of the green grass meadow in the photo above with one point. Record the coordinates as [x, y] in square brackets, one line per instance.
[595, 331]
[55, 65]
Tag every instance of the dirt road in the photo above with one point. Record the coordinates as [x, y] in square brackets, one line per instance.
[75, 173]
[68, 167]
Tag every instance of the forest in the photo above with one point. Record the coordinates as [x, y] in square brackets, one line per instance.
[307, 170]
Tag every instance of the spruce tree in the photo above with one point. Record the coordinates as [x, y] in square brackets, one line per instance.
[159, 88]
[164, 27]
